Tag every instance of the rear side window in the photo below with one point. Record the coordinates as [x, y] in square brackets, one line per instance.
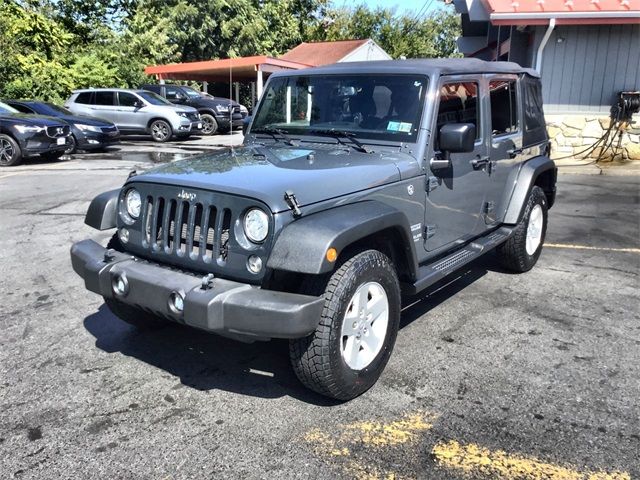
[103, 98]
[173, 93]
[152, 88]
[84, 98]
[459, 104]
[535, 129]
[504, 107]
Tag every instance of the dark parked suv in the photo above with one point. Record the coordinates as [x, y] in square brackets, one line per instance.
[218, 114]
[359, 185]
[24, 136]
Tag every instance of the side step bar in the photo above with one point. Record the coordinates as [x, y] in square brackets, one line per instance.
[433, 272]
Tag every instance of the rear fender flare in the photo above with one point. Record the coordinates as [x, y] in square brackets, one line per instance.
[530, 171]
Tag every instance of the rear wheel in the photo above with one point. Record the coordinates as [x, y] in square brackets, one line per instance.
[357, 331]
[160, 131]
[521, 252]
[10, 153]
[209, 124]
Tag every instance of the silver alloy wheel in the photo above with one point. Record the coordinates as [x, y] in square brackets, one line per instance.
[207, 125]
[160, 131]
[6, 152]
[534, 229]
[364, 326]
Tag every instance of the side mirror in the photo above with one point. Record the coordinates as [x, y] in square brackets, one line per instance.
[138, 104]
[245, 124]
[457, 138]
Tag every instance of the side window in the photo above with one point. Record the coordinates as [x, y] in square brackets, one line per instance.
[172, 93]
[104, 98]
[459, 104]
[127, 99]
[152, 88]
[504, 109]
[84, 98]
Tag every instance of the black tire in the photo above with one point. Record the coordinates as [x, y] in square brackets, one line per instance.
[160, 131]
[72, 145]
[317, 359]
[134, 316]
[10, 153]
[209, 124]
[513, 253]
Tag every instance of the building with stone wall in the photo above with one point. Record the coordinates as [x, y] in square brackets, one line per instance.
[587, 51]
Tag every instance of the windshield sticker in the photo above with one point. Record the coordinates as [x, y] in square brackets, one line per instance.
[393, 126]
[405, 127]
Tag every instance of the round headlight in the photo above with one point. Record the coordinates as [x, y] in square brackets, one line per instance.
[133, 203]
[256, 225]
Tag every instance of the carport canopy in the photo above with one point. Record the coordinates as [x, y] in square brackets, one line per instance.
[226, 70]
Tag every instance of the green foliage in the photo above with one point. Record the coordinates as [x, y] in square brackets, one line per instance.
[50, 47]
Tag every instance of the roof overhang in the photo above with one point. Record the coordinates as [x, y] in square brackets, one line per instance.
[565, 18]
[237, 69]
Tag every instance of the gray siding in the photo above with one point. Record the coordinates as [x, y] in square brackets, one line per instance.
[583, 73]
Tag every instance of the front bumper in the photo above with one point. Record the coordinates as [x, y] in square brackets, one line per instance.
[41, 144]
[93, 140]
[226, 308]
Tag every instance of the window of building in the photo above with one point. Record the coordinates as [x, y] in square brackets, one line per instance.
[504, 108]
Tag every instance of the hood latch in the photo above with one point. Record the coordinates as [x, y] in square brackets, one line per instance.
[291, 200]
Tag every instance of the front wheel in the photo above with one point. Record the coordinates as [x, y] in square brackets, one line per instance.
[72, 145]
[209, 124]
[160, 131]
[10, 153]
[521, 252]
[352, 344]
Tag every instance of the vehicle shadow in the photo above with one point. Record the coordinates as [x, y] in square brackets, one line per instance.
[207, 362]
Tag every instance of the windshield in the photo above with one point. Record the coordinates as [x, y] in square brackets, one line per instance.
[153, 98]
[53, 110]
[4, 108]
[191, 92]
[384, 107]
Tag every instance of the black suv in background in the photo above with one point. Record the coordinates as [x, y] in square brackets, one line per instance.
[24, 136]
[218, 114]
[87, 133]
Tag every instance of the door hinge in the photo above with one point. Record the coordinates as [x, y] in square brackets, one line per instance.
[430, 231]
[432, 183]
[489, 207]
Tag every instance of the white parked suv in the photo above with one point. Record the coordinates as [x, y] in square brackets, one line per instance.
[136, 112]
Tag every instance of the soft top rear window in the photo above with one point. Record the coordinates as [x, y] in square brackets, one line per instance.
[535, 129]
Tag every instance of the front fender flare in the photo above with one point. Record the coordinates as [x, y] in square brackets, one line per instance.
[102, 211]
[530, 171]
[302, 245]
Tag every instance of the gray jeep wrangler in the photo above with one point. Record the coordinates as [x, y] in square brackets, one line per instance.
[358, 185]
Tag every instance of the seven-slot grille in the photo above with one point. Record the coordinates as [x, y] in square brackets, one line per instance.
[58, 131]
[194, 230]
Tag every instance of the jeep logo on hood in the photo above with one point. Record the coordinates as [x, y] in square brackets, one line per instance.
[187, 196]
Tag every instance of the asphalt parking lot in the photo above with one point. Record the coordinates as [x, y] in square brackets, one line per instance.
[494, 375]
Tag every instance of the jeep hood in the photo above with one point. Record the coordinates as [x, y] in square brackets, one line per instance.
[265, 173]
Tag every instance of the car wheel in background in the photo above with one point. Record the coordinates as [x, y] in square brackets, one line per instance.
[52, 155]
[10, 153]
[160, 131]
[72, 145]
[209, 124]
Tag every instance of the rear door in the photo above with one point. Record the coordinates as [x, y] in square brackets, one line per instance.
[506, 144]
[104, 105]
[456, 194]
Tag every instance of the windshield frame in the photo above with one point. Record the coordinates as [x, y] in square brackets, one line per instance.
[363, 135]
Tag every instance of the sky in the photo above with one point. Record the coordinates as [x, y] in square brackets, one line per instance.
[408, 6]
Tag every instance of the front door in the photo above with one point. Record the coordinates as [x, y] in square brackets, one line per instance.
[456, 193]
[130, 114]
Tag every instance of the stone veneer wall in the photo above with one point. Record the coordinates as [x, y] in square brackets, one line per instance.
[572, 134]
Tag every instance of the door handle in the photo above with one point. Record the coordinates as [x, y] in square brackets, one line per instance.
[514, 152]
[479, 162]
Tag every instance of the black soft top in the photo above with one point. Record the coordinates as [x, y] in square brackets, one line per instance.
[436, 66]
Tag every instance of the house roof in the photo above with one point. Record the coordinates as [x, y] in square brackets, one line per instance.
[532, 12]
[243, 68]
[322, 53]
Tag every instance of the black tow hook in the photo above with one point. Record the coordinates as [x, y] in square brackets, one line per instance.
[207, 282]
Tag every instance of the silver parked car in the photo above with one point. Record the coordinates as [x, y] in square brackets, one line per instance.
[136, 112]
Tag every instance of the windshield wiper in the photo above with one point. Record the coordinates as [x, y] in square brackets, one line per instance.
[274, 132]
[340, 134]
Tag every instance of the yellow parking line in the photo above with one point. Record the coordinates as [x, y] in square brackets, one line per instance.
[586, 247]
[475, 460]
[11, 174]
